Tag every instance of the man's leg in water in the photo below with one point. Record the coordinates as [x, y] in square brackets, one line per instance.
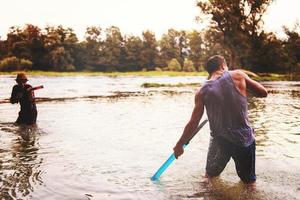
[244, 158]
[217, 157]
[21, 118]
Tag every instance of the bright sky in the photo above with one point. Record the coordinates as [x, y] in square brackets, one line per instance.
[131, 16]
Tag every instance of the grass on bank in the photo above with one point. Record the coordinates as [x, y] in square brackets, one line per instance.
[260, 77]
[113, 74]
[150, 85]
[277, 77]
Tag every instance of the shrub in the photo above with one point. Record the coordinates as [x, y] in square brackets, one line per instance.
[13, 64]
[158, 69]
[174, 65]
[25, 64]
[69, 68]
[188, 66]
[201, 68]
[9, 64]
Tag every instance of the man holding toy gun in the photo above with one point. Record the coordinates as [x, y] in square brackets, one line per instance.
[23, 93]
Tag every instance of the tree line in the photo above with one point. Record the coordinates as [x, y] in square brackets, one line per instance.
[57, 48]
[235, 32]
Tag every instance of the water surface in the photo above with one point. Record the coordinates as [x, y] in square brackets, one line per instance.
[104, 137]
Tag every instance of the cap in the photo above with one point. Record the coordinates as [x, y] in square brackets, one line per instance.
[21, 76]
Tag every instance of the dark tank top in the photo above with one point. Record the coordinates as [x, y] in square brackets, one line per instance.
[227, 111]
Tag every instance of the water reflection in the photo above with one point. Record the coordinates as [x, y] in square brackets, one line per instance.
[257, 110]
[19, 165]
[220, 189]
[276, 120]
[107, 140]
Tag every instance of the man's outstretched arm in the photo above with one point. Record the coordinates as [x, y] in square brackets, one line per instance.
[191, 126]
[258, 89]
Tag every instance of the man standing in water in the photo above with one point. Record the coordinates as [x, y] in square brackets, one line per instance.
[23, 93]
[224, 97]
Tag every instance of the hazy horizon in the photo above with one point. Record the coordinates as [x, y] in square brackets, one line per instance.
[132, 16]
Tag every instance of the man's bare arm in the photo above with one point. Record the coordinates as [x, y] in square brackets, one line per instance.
[191, 125]
[258, 89]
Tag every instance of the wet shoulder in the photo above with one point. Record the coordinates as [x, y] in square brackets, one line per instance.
[238, 79]
[205, 85]
[236, 74]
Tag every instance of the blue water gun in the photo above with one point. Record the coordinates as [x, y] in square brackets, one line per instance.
[168, 162]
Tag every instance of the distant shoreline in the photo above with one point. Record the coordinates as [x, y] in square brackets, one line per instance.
[111, 74]
[261, 77]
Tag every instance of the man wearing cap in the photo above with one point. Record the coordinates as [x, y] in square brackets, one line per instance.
[24, 94]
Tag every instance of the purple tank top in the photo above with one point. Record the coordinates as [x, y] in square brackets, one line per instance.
[227, 111]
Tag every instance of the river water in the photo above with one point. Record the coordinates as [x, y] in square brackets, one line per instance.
[103, 138]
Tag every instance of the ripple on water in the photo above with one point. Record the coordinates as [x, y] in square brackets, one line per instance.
[94, 147]
[20, 161]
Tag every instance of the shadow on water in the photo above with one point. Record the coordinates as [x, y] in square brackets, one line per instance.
[19, 165]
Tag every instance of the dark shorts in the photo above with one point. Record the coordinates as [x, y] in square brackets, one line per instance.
[219, 153]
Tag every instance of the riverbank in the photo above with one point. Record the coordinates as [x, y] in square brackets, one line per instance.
[112, 74]
[260, 77]
[277, 77]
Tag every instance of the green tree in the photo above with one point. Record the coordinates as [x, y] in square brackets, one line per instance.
[113, 49]
[60, 46]
[168, 47]
[271, 56]
[149, 53]
[240, 22]
[61, 59]
[133, 48]
[34, 39]
[80, 57]
[93, 46]
[213, 44]
[27, 43]
[16, 45]
[292, 46]
[174, 45]
[196, 48]
[182, 43]
[3, 48]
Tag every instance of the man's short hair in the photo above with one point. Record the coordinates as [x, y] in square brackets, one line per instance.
[214, 63]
